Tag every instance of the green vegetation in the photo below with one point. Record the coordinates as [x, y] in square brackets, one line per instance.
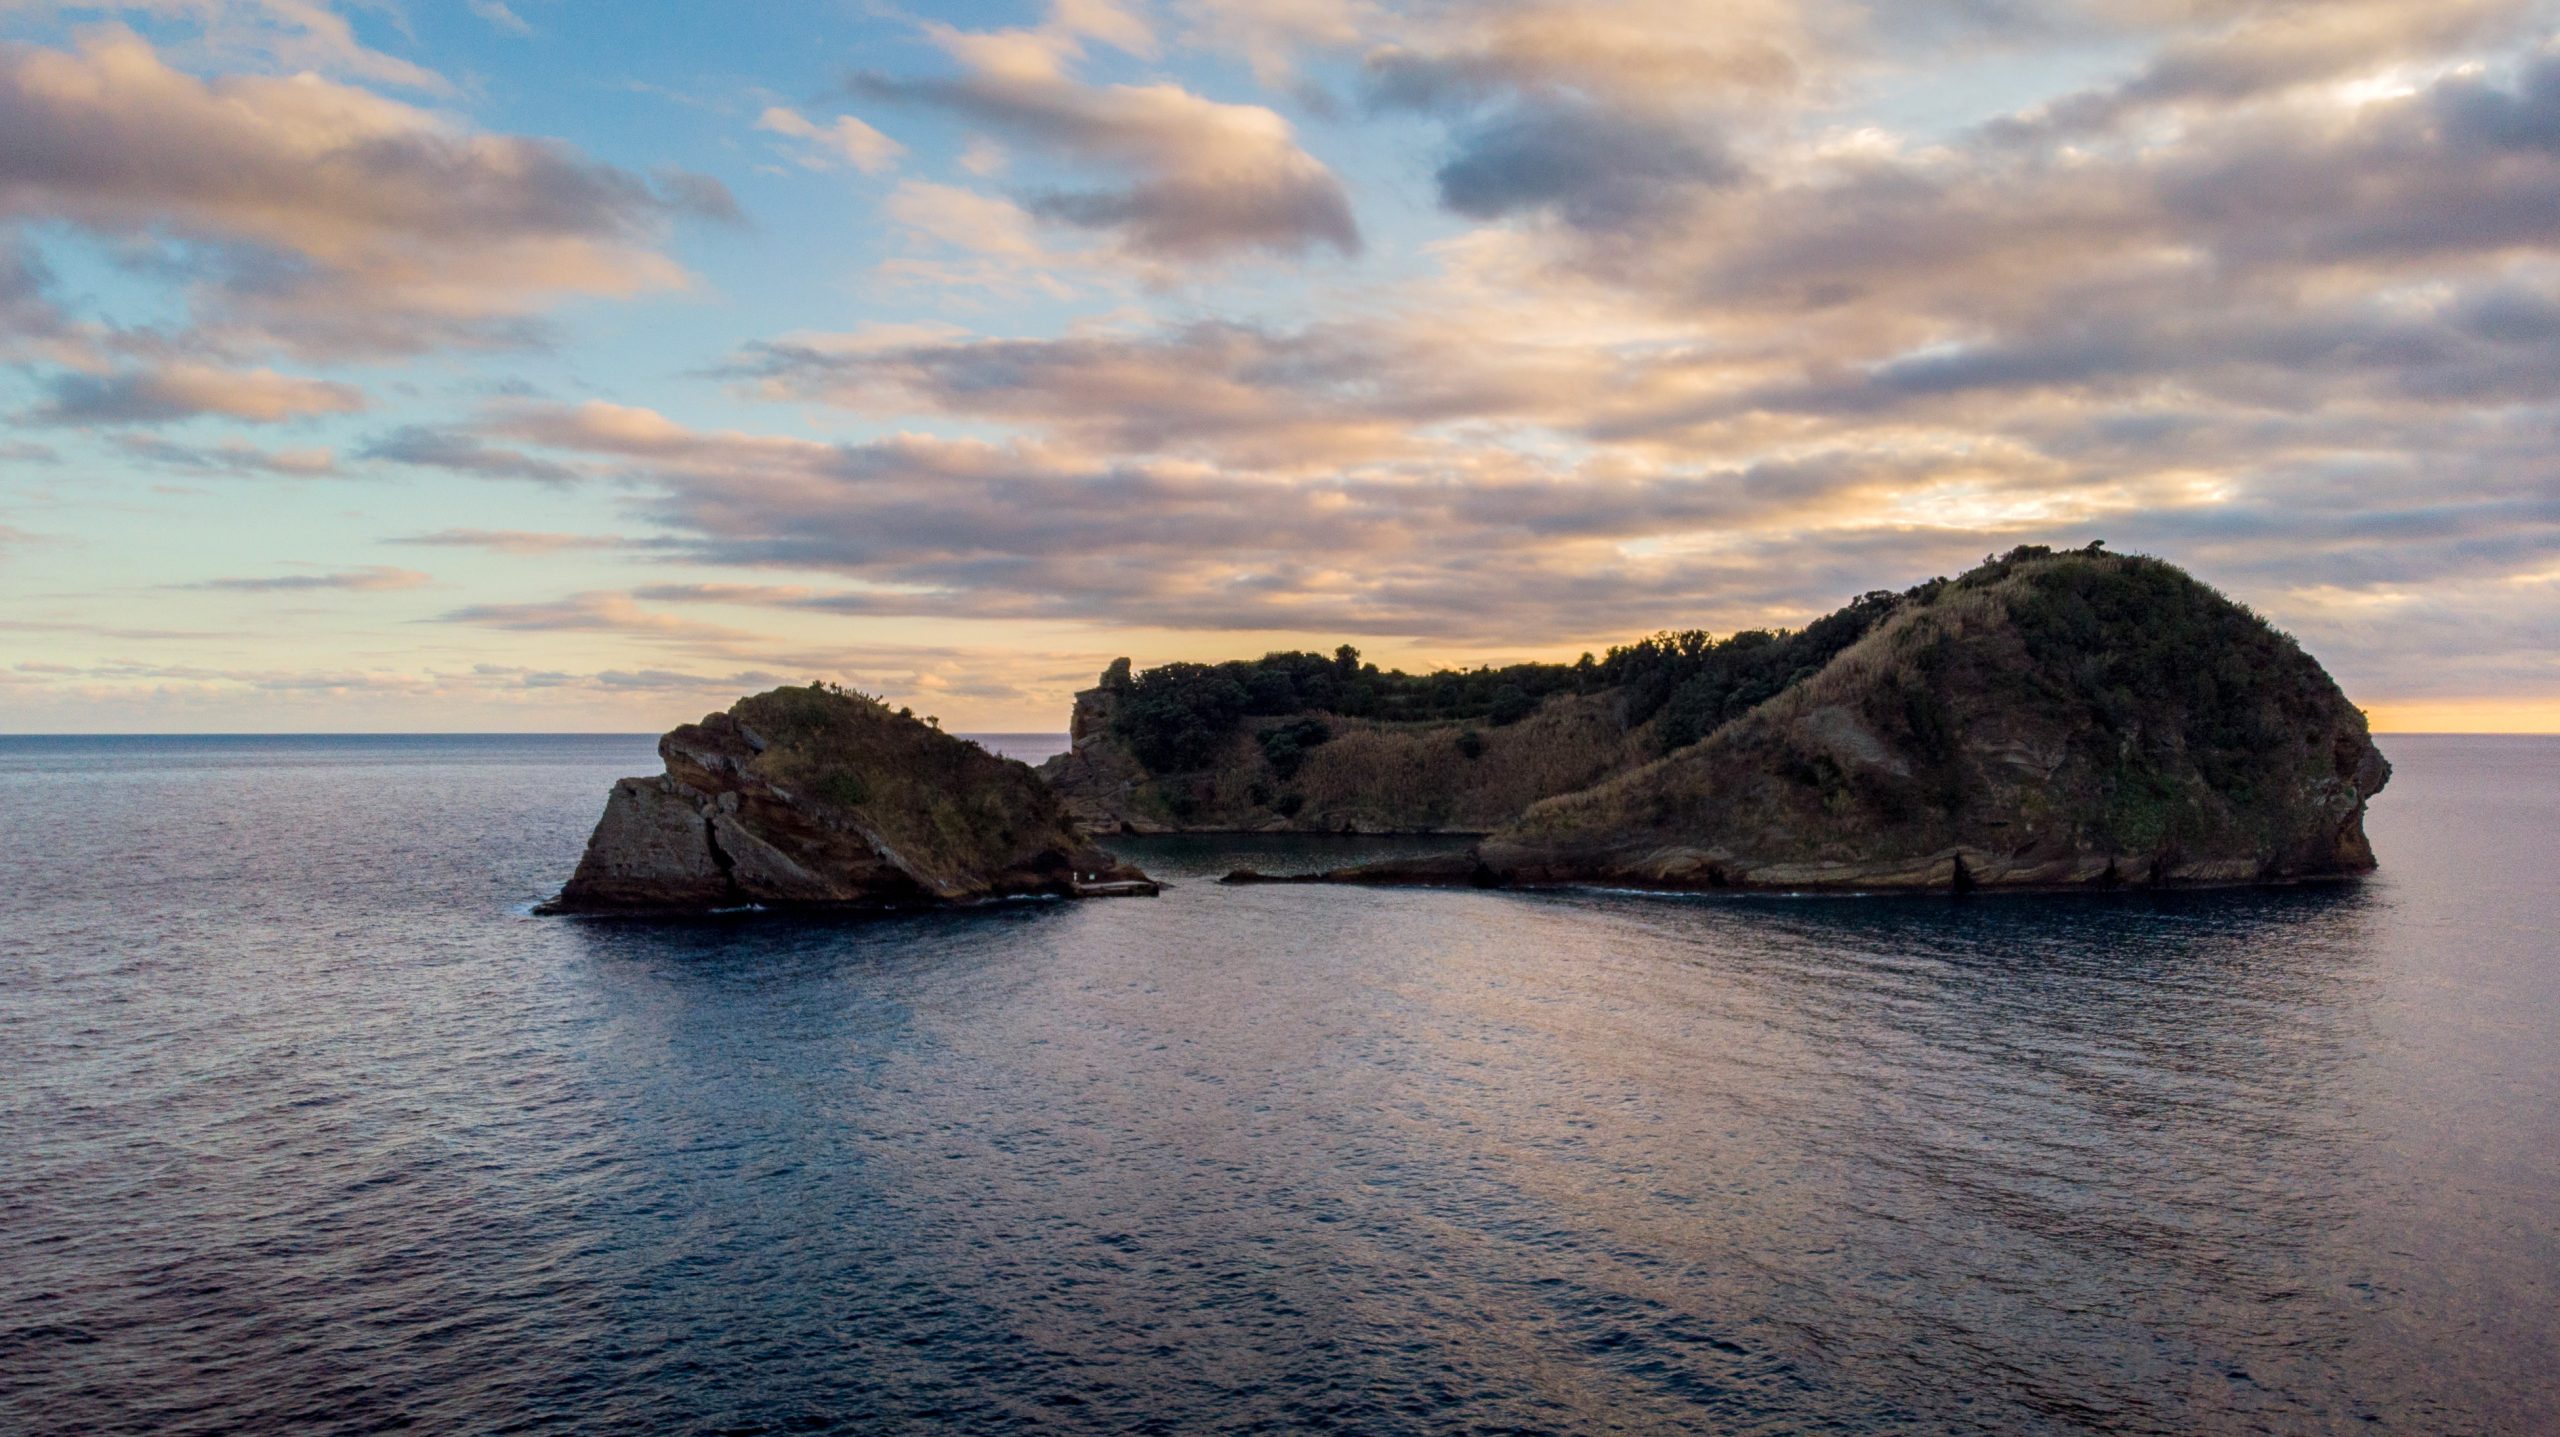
[937, 798]
[2176, 679]
[2144, 645]
[1698, 683]
[2088, 714]
[1174, 718]
[2170, 681]
[2102, 716]
[1285, 746]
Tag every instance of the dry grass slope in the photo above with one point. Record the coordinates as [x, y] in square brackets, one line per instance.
[1374, 777]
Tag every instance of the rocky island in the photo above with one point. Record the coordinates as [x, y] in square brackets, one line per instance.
[2048, 720]
[2075, 719]
[823, 798]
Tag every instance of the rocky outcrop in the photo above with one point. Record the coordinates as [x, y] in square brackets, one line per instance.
[821, 798]
[2047, 721]
[1097, 778]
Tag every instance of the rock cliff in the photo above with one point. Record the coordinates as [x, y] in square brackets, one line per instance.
[2049, 720]
[817, 797]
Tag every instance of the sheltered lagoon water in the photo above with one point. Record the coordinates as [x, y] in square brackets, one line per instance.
[304, 1123]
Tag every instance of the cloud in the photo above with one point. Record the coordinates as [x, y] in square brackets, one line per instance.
[1272, 34]
[2267, 50]
[373, 579]
[982, 530]
[2524, 120]
[846, 141]
[512, 541]
[103, 631]
[188, 391]
[921, 673]
[960, 239]
[593, 612]
[1242, 393]
[967, 219]
[30, 319]
[1204, 180]
[2392, 246]
[501, 17]
[600, 427]
[1605, 115]
[2292, 334]
[1716, 321]
[290, 35]
[160, 693]
[231, 457]
[1597, 168]
[461, 453]
[337, 222]
[869, 603]
[1437, 57]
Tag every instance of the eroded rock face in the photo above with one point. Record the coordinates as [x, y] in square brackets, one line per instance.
[652, 848]
[820, 798]
[1097, 777]
[2047, 721]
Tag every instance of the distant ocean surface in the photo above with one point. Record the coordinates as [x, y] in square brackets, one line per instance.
[306, 1126]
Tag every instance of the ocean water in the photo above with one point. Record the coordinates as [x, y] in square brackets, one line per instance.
[307, 1126]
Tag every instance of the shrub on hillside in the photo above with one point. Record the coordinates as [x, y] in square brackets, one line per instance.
[1285, 746]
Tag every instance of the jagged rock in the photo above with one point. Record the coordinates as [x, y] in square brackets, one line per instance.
[1097, 777]
[652, 848]
[817, 797]
[2047, 721]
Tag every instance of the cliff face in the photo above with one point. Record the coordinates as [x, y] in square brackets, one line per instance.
[1097, 778]
[2045, 721]
[819, 798]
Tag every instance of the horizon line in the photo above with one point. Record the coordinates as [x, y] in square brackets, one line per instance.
[955, 732]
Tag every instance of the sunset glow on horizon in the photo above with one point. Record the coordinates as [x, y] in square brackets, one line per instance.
[552, 366]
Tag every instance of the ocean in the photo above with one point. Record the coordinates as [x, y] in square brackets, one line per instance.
[307, 1125]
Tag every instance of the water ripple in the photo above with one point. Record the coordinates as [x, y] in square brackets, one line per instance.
[306, 1126]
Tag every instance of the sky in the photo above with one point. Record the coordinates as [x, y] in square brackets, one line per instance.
[562, 365]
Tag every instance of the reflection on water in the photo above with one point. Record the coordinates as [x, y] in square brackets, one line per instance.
[319, 1130]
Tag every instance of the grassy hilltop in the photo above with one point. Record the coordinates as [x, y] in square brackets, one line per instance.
[2045, 719]
[821, 797]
